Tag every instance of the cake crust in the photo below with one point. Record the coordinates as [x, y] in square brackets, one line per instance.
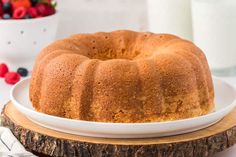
[122, 76]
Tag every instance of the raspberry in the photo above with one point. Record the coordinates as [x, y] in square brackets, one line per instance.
[1, 11]
[3, 69]
[50, 10]
[41, 8]
[39, 16]
[5, 1]
[12, 77]
[19, 13]
[45, 10]
[32, 12]
[20, 3]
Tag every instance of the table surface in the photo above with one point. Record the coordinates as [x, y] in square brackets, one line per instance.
[5, 97]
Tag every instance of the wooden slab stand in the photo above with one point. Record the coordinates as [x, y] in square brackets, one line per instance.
[202, 143]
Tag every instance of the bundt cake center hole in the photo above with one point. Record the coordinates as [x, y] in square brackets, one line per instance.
[108, 54]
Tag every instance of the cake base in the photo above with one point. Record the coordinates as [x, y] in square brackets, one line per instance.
[47, 142]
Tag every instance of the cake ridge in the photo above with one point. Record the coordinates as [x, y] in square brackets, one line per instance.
[86, 81]
[139, 91]
[201, 59]
[201, 70]
[150, 105]
[57, 75]
[198, 80]
[68, 99]
[38, 80]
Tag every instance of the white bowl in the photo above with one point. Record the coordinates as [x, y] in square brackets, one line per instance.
[21, 40]
[225, 101]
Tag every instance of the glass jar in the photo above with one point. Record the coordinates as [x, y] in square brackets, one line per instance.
[214, 31]
[170, 16]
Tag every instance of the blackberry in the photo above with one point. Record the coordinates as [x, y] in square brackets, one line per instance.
[6, 7]
[34, 2]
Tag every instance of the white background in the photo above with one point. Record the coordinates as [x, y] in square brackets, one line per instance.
[86, 16]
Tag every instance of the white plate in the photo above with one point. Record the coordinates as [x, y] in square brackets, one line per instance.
[225, 102]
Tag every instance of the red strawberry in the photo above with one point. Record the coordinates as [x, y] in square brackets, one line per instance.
[12, 77]
[3, 69]
[19, 13]
[33, 12]
[20, 3]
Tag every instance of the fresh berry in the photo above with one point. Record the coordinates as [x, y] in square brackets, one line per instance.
[21, 3]
[19, 13]
[1, 11]
[22, 71]
[45, 9]
[50, 10]
[12, 77]
[26, 9]
[34, 2]
[6, 7]
[32, 12]
[42, 10]
[5, 1]
[6, 16]
[39, 16]
[3, 69]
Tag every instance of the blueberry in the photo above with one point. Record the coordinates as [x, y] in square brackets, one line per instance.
[6, 16]
[27, 16]
[34, 2]
[22, 71]
[6, 7]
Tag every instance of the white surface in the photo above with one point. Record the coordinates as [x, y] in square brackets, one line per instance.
[83, 16]
[170, 16]
[4, 93]
[225, 100]
[214, 24]
[22, 40]
[10, 146]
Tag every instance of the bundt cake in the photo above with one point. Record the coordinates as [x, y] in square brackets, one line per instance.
[122, 76]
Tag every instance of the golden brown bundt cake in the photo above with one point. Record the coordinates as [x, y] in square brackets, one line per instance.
[122, 76]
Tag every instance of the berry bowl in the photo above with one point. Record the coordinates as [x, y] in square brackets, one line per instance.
[21, 40]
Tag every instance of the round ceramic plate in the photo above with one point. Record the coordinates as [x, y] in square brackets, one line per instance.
[224, 99]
